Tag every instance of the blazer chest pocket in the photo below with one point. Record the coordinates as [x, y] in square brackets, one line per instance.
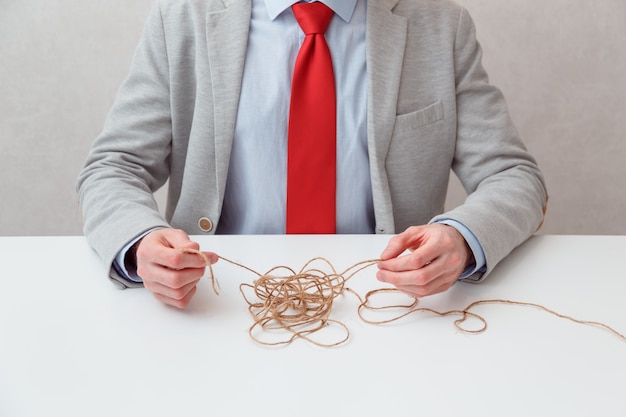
[415, 120]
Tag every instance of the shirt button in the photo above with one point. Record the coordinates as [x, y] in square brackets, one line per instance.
[205, 224]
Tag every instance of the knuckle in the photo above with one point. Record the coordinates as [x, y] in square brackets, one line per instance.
[413, 261]
[178, 296]
[421, 278]
[412, 229]
[416, 261]
[147, 284]
[141, 270]
[175, 302]
[457, 259]
[179, 232]
[141, 252]
[446, 239]
[175, 281]
[426, 289]
[175, 260]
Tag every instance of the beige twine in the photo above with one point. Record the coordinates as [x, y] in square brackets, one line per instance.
[300, 303]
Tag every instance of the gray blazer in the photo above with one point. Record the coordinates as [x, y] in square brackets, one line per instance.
[430, 109]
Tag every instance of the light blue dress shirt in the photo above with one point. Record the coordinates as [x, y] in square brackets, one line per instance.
[255, 195]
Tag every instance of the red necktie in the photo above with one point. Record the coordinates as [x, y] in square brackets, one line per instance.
[311, 155]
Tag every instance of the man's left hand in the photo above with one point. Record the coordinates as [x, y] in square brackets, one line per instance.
[438, 255]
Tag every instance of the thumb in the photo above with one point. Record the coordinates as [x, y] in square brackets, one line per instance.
[178, 239]
[394, 248]
[409, 239]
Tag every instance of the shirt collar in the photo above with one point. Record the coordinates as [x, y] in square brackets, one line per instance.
[342, 8]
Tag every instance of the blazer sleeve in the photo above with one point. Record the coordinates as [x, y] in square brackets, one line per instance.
[128, 161]
[507, 195]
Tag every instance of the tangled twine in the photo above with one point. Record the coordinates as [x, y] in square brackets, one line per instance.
[300, 303]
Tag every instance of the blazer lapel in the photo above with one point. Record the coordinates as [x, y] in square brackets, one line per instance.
[227, 38]
[386, 38]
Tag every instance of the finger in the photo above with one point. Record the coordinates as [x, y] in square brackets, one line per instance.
[167, 252]
[177, 278]
[432, 288]
[176, 238]
[212, 256]
[411, 262]
[208, 258]
[169, 255]
[167, 290]
[401, 242]
[436, 285]
[176, 302]
[170, 267]
[406, 277]
[155, 244]
[179, 240]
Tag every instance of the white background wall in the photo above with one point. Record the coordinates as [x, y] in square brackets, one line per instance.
[560, 63]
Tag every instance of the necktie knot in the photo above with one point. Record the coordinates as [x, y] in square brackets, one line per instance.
[313, 17]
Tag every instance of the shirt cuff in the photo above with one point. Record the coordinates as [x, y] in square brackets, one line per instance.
[125, 269]
[480, 264]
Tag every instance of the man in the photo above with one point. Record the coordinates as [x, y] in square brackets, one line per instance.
[206, 106]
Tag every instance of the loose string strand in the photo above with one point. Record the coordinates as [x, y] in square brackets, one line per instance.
[300, 303]
[546, 309]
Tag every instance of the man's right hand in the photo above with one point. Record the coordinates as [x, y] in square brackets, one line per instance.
[170, 274]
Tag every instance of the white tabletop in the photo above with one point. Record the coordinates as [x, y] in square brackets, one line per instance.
[72, 344]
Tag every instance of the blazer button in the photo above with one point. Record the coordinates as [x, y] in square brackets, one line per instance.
[205, 224]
